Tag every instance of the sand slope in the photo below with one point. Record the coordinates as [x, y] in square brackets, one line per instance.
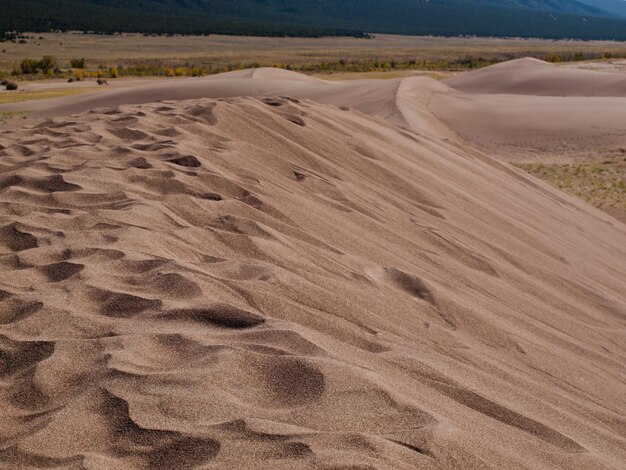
[400, 101]
[507, 126]
[552, 128]
[534, 77]
[279, 283]
[530, 110]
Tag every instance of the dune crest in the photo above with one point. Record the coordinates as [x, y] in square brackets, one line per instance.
[278, 283]
[530, 76]
[504, 110]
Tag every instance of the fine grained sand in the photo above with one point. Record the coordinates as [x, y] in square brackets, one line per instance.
[522, 110]
[535, 77]
[335, 281]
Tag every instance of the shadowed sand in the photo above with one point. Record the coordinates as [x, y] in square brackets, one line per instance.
[317, 276]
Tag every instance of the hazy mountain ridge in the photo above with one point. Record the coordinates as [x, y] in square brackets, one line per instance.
[615, 7]
[560, 6]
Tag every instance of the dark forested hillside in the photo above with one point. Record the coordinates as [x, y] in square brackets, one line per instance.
[147, 16]
[524, 18]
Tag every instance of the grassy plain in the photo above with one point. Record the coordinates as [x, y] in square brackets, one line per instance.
[220, 51]
[5, 115]
[601, 183]
[7, 97]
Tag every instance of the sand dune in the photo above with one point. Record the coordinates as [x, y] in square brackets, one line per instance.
[372, 96]
[535, 77]
[530, 128]
[529, 110]
[318, 276]
[507, 126]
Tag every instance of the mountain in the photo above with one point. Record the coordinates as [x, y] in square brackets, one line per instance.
[614, 7]
[560, 6]
[151, 16]
[524, 18]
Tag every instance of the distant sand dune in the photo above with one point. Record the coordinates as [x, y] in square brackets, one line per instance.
[536, 128]
[525, 109]
[534, 77]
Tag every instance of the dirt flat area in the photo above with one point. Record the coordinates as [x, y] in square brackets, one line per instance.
[224, 50]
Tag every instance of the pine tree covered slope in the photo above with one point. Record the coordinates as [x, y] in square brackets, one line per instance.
[524, 18]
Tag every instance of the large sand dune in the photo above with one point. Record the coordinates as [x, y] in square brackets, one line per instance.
[317, 276]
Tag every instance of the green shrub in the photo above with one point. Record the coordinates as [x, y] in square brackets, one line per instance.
[77, 63]
[29, 66]
[11, 86]
[46, 65]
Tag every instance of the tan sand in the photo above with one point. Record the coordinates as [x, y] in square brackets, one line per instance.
[507, 126]
[534, 77]
[331, 280]
[554, 128]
